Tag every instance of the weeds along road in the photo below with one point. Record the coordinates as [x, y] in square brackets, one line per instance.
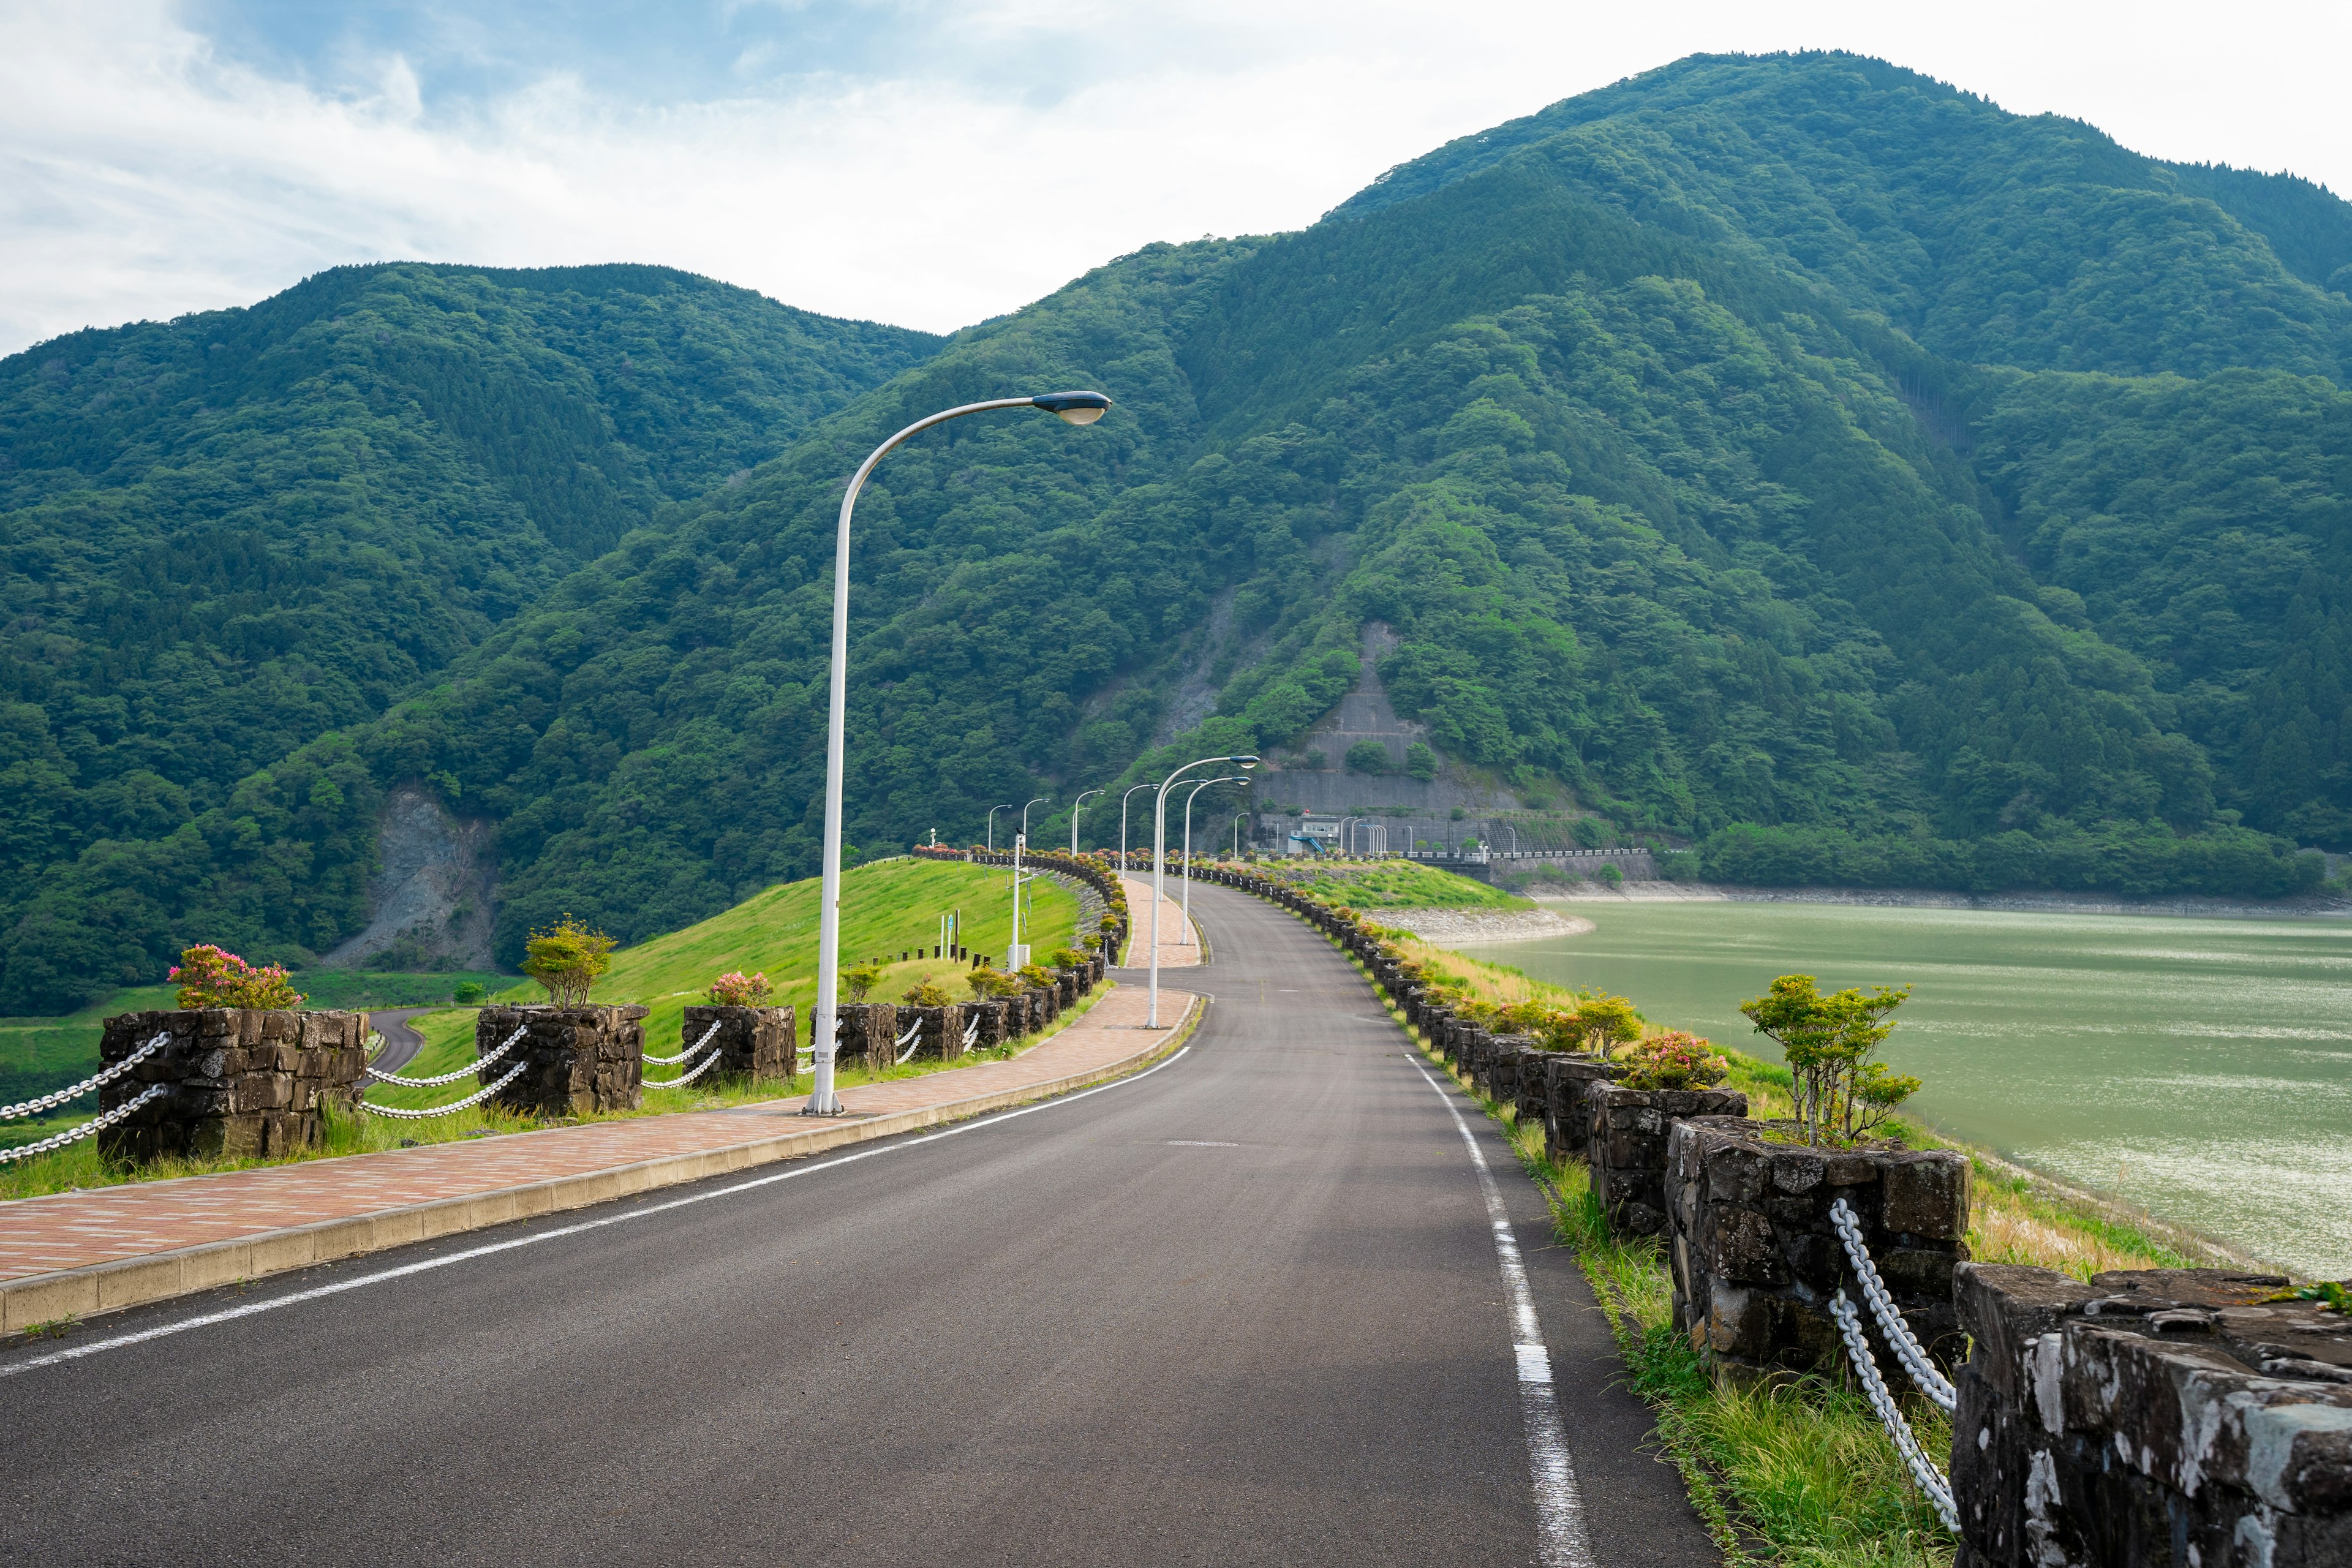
[1245, 1309]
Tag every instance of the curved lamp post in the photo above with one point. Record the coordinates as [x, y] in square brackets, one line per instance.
[1025, 813]
[991, 824]
[1239, 817]
[1122, 821]
[1229, 778]
[1073, 408]
[1159, 864]
[1076, 806]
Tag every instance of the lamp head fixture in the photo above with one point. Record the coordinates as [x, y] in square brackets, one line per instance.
[1243, 762]
[1074, 407]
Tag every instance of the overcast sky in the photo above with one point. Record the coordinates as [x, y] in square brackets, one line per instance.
[925, 163]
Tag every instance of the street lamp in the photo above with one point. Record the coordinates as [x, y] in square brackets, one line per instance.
[1024, 814]
[991, 824]
[1074, 808]
[1160, 865]
[1347, 839]
[1239, 817]
[1122, 823]
[1072, 407]
[1229, 778]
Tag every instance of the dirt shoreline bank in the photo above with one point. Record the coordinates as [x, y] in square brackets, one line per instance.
[2030, 903]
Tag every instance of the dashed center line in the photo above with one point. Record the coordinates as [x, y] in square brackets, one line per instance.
[1198, 1143]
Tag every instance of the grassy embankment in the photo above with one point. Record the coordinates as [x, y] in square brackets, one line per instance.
[1800, 1470]
[1370, 885]
[887, 907]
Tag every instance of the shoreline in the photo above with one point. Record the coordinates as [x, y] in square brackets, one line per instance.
[2181, 906]
[1457, 927]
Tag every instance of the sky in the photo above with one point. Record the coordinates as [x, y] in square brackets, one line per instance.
[931, 165]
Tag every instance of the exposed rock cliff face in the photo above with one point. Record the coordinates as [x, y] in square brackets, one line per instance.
[431, 904]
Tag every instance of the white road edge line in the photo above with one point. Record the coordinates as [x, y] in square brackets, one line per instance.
[1562, 1541]
[231, 1314]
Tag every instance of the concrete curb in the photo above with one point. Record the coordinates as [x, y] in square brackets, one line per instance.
[158, 1276]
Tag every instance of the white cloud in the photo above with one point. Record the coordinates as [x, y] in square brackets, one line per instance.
[145, 172]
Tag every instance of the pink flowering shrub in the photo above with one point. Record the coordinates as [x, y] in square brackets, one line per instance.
[1674, 1059]
[211, 978]
[736, 989]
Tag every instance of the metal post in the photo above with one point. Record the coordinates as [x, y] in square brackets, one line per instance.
[1122, 824]
[1024, 814]
[1014, 956]
[1229, 778]
[1160, 867]
[1074, 407]
[1076, 806]
[1239, 817]
[991, 824]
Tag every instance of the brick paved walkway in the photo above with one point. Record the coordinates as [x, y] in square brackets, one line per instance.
[75, 1230]
[1175, 952]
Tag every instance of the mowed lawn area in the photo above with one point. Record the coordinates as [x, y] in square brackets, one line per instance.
[887, 907]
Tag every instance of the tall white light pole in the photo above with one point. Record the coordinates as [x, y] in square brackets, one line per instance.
[1239, 817]
[1122, 821]
[991, 824]
[1347, 839]
[1073, 408]
[1159, 864]
[1229, 778]
[1024, 814]
[1075, 807]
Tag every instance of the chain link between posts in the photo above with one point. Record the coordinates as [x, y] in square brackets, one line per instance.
[914, 1033]
[708, 1062]
[1923, 1469]
[475, 1098]
[470, 1067]
[97, 1124]
[55, 1097]
[1907, 1348]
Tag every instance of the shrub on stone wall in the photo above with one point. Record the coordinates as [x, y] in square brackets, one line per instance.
[860, 978]
[930, 994]
[1829, 1040]
[567, 958]
[737, 989]
[212, 978]
[1674, 1059]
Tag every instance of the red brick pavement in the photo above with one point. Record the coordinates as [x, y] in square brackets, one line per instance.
[75, 1230]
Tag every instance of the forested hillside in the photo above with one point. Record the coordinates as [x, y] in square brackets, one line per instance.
[224, 536]
[1792, 456]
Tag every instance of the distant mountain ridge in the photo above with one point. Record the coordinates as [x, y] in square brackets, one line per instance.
[1792, 456]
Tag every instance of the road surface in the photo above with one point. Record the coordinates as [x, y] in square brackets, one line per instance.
[1246, 1308]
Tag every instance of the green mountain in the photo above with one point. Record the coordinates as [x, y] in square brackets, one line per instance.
[224, 536]
[1791, 455]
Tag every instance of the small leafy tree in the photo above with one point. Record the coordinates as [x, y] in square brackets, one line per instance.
[984, 983]
[1420, 762]
[1036, 975]
[737, 989]
[1066, 958]
[1674, 1059]
[861, 978]
[1368, 757]
[213, 977]
[1604, 1023]
[468, 993]
[930, 994]
[1829, 1040]
[567, 958]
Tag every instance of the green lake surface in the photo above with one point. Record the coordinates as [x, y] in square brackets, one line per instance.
[2198, 1068]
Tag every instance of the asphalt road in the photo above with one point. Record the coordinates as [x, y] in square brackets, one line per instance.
[1245, 1309]
[401, 1041]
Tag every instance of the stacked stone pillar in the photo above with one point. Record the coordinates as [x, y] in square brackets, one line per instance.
[2151, 1418]
[1757, 1258]
[868, 1033]
[753, 1042]
[576, 1061]
[242, 1083]
[1626, 1147]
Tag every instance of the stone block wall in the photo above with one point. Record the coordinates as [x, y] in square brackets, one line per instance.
[753, 1042]
[577, 1061]
[997, 1024]
[942, 1030]
[1755, 1259]
[1568, 1118]
[866, 1033]
[1626, 1147]
[244, 1083]
[2156, 1418]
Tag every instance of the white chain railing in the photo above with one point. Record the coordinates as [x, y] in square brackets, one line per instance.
[1923, 1469]
[1906, 1346]
[55, 1097]
[654, 1060]
[475, 1098]
[96, 1123]
[914, 1033]
[972, 1031]
[708, 1062]
[470, 1067]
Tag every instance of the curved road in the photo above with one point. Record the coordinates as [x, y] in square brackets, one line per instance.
[401, 1041]
[1244, 1308]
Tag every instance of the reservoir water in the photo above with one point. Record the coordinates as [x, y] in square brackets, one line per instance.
[2198, 1068]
